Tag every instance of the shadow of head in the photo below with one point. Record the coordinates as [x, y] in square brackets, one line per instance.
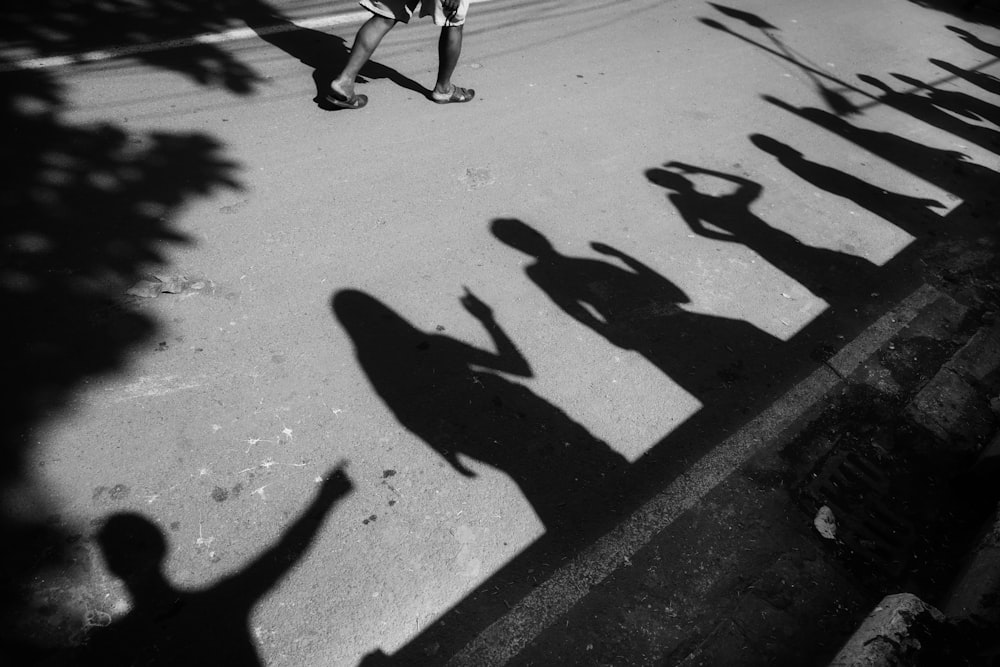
[134, 548]
[669, 179]
[371, 324]
[354, 305]
[752, 20]
[773, 146]
[521, 236]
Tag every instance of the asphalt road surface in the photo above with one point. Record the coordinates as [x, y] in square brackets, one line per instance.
[634, 238]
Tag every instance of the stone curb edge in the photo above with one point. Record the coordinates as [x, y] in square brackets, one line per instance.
[508, 635]
[951, 407]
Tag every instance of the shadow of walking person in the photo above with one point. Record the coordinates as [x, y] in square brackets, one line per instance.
[635, 308]
[444, 391]
[326, 54]
[911, 214]
[834, 276]
[171, 627]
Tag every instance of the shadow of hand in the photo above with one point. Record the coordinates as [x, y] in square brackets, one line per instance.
[476, 307]
[336, 484]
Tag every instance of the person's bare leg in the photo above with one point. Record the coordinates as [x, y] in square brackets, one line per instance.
[367, 40]
[449, 50]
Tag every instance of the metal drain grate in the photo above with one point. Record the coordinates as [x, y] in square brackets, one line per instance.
[866, 505]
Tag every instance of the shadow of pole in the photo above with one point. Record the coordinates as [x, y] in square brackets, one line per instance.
[836, 100]
[635, 308]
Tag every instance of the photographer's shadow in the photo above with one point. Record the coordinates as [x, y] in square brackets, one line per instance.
[168, 626]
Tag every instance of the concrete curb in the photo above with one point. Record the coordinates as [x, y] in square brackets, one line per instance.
[508, 635]
[957, 408]
[975, 595]
[952, 412]
[926, 314]
[890, 635]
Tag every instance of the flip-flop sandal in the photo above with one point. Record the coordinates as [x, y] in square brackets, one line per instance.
[352, 102]
[457, 95]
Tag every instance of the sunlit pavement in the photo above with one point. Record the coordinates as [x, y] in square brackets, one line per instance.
[512, 322]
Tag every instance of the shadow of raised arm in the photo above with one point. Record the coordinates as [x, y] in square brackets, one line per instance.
[746, 190]
[507, 359]
[629, 261]
[268, 568]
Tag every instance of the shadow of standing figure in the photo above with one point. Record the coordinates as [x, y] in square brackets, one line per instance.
[949, 170]
[635, 308]
[832, 275]
[973, 40]
[939, 109]
[955, 101]
[911, 214]
[444, 391]
[169, 627]
[983, 80]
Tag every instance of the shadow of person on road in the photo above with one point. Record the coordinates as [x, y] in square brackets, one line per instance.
[635, 308]
[834, 276]
[835, 99]
[88, 208]
[983, 80]
[326, 54]
[957, 102]
[169, 627]
[950, 170]
[931, 110]
[911, 214]
[446, 392]
[973, 40]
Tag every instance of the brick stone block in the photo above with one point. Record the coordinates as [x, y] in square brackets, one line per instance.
[890, 634]
[980, 357]
[976, 591]
[952, 410]
[943, 318]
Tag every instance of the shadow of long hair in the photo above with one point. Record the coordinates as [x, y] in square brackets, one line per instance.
[451, 395]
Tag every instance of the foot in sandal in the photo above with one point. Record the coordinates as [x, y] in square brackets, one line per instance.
[457, 94]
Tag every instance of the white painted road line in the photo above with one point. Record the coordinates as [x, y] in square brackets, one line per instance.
[509, 635]
[233, 35]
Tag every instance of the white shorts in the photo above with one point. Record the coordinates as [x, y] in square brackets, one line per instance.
[402, 10]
